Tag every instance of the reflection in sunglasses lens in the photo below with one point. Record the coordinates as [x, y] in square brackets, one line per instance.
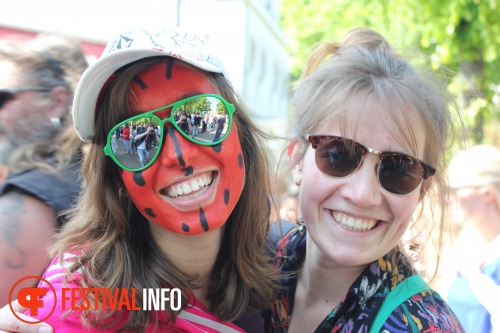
[142, 140]
[5, 97]
[397, 173]
[203, 120]
[335, 159]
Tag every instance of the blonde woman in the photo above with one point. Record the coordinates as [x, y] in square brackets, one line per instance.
[369, 136]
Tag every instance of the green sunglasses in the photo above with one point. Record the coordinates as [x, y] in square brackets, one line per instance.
[216, 116]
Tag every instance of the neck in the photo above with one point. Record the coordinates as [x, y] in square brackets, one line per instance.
[192, 255]
[323, 279]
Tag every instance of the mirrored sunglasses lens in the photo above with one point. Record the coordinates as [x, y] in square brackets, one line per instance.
[5, 97]
[399, 173]
[334, 158]
[209, 119]
[141, 147]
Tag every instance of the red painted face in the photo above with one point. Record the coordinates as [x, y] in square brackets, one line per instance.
[213, 176]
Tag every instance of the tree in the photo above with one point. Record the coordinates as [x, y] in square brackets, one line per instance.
[463, 35]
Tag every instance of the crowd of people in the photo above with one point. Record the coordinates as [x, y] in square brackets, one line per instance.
[367, 148]
[142, 137]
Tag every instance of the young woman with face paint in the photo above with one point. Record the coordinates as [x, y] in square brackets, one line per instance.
[194, 216]
[369, 135]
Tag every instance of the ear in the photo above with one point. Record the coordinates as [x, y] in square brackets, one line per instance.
[60, 99]
[295, 154]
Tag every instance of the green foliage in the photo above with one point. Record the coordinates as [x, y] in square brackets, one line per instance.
[463, 35]
[195, 105]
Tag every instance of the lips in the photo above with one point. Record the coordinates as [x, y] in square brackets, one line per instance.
[354, 224]
[190, 188]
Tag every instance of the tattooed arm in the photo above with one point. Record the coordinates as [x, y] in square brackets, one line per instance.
[26, 229]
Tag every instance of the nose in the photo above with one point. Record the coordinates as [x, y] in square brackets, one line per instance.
[362, 187]
[176, 149]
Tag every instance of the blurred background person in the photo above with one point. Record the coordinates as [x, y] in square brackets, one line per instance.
[475, 256]
[39, 150]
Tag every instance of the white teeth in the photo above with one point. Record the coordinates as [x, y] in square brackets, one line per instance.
[195, 185]
[190, 188]
[172, 192]
[354, 224]
[186, 189]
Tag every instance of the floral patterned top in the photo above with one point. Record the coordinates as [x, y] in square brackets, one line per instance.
[424, 312]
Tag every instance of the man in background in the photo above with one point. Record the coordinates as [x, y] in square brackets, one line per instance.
[39, 151]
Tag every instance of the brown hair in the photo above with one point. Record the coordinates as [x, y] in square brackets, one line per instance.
[117, 249]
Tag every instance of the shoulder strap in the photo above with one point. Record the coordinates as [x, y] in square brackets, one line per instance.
[278, 230]
[404, 290]
[218, 326]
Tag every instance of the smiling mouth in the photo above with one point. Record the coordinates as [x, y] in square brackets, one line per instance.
[354, 224]
[191, 188]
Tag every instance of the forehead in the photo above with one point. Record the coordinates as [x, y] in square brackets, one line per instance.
[167, 82]
[390, 120]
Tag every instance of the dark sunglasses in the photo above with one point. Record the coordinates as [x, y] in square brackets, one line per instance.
[216, 112]
[397, 173]
[9, 94]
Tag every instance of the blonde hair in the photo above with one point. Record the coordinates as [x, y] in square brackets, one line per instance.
[365, 63]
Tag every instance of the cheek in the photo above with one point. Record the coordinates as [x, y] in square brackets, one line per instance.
[403, 208]
[11, 114]
[135, 182]
[227, 156]
[229, 152]
[230, 157]
[315, 185]
[140, 187]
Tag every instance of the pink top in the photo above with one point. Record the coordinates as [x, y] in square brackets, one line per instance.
[195, 318]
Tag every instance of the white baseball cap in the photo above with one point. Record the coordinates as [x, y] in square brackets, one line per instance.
[126, 48]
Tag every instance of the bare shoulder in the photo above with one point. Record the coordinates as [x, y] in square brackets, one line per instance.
[27, 226]
[19, 208]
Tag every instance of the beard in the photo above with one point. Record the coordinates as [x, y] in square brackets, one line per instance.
[6, 148]
[30, 132]
[6, 144]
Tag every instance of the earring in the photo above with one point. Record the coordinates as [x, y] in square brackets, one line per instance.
[415, 248]
[56, 122]
[300, 222]
[299, 181]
